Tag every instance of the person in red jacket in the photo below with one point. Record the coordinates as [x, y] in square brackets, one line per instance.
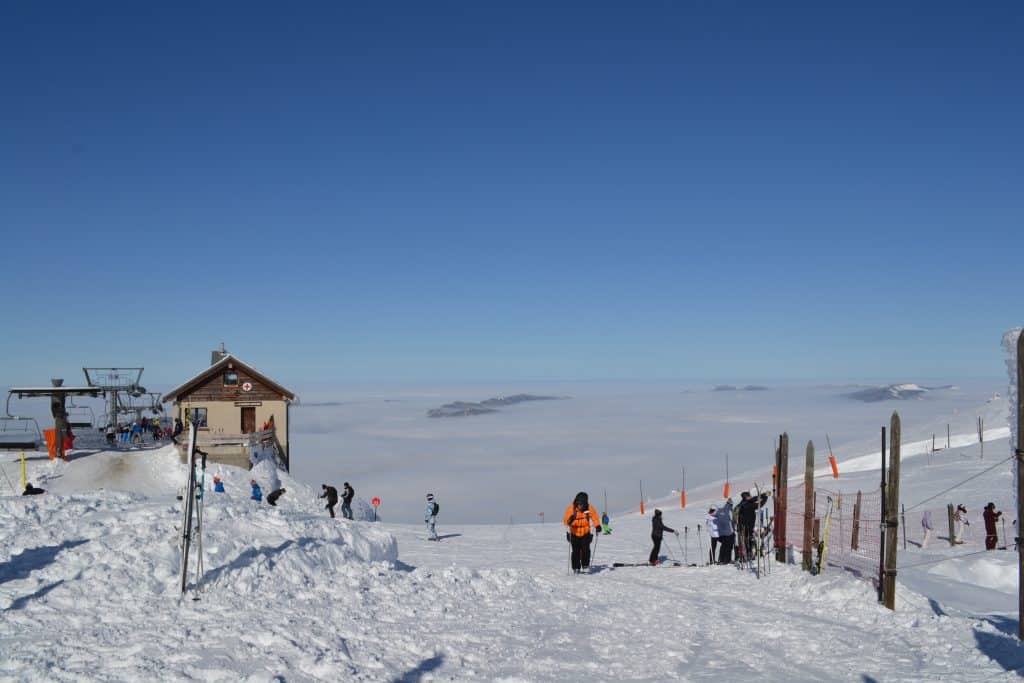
[579, 517]
[991, 516]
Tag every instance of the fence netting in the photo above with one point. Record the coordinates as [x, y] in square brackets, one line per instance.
[854, 527]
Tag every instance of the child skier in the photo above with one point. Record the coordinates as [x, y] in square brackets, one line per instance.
[657, 529]
[430, 517]
[218, 485]
[926, 527]
[961, 521]
[257, 492]
[578, 517]
[606, 525]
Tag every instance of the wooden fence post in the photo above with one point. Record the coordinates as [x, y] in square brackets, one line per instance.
[855, 534]
[807, 558]
[1019, 452]
[892, 509]
[952, 526]
[782, 499]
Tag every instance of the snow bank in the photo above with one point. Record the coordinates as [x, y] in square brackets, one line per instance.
[997, 571]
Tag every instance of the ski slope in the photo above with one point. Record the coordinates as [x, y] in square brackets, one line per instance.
[89, 589]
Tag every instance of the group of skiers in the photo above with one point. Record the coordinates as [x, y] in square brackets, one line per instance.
[257, 492]
[727, 521]
[960, 520]
[331, 494]
[990, 516]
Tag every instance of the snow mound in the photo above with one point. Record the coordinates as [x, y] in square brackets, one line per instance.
[997, 571]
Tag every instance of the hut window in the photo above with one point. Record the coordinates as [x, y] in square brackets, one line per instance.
[198, 418]
[230, 379]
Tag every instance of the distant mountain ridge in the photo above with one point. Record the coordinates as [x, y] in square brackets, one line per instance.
[467, 408]
[749, 387]
[895, 392]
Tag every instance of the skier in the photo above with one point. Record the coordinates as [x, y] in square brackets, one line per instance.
[218, 485]
[179, 427]
[274, 495]
[606, 525]
[991, 516]
[657, 529]
[578, 517]
[257, 492]
[726, 536]
[712, 524]
[331, 494]
[960, 517]
[926, 527]
[347, 494]
[748, 508]
[31, 490]
[430, 517]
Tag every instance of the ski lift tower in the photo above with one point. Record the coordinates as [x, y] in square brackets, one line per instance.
[58, 394]
[114, 381]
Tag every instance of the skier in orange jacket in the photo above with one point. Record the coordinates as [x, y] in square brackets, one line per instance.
[579, 518]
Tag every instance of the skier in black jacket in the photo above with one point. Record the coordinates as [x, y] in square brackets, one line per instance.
[747, 510]
[657, 529]
[331, 494]
[348, 493]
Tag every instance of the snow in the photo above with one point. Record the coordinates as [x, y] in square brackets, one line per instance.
[90, 590]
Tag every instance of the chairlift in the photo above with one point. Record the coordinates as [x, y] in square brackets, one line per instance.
[81, 417]
[19, 433]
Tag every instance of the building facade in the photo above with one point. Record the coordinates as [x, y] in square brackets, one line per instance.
[237, 411]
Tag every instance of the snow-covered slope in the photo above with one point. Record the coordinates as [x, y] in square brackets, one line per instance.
[89, 590]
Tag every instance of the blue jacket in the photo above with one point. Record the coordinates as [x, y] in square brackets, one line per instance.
[257, 492]
[429, 512]
[218, 487]
[723, 520]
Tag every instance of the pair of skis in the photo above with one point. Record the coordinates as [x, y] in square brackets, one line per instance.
[823, 543]
[192, 524]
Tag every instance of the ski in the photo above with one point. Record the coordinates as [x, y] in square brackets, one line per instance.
[646, 564]
[823, 543]
[189, 500]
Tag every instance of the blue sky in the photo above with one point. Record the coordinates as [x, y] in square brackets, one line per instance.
[461, 192]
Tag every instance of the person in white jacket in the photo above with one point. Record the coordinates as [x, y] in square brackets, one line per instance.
[926, 527]
[962, 523]
[712, 525]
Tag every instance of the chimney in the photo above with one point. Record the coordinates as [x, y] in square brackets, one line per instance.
[216, 355]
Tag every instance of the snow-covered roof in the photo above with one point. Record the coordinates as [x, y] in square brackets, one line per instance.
[227, 359]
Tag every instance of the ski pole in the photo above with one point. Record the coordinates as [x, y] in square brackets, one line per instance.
[700, 542]
[682, 548]
[671, 555]
[597, 537]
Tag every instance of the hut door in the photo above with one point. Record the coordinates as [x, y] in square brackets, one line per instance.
[248, 419]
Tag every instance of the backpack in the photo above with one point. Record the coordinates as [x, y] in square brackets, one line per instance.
[437, 508]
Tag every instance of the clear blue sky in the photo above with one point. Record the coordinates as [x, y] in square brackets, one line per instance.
[435, 191]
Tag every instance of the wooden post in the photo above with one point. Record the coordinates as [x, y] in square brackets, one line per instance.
[807, 558]
[882, 528]
[981, 435]
[952, 525]
[892, 505]
[1020, 486]
[855, 534]
[781, 499]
